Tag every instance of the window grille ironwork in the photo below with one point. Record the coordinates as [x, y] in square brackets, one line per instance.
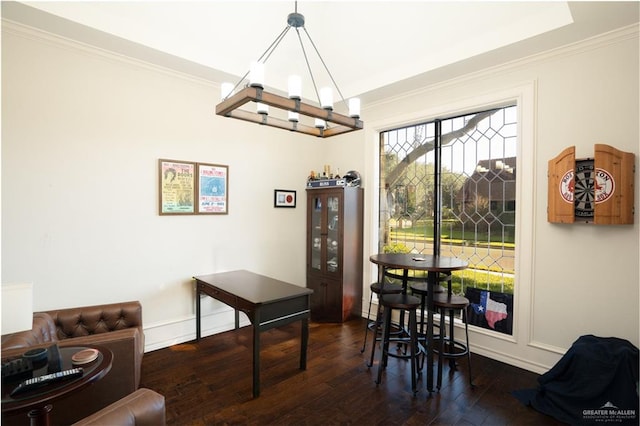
[448, 187]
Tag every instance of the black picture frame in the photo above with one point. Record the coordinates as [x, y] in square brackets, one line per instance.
[284, 198]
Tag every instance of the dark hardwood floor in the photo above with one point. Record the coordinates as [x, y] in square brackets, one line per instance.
[209, 383]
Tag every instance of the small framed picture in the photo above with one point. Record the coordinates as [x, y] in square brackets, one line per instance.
[284, 198]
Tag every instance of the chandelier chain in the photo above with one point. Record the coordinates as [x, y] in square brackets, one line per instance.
[273, 45]
[324, 64]
[306, 59]
[267, 52]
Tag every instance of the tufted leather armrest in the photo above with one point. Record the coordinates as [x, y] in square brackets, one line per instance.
[144, 407]
[42, 331]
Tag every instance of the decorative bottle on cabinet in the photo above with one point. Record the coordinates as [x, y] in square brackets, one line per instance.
[334, 252]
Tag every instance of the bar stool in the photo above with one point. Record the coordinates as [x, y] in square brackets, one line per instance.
[375, 288]
[421, 289]
[449, 348]
[406, 303]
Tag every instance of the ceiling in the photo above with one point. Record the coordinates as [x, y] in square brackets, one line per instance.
[372, 48]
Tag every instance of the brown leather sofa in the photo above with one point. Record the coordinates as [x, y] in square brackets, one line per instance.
[144, 407]
[117, 326]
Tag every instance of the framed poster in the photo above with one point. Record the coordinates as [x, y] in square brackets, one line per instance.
[213, 189]
[284, 198]
[177, 187]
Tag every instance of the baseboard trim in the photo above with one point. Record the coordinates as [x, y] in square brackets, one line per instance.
[163, 335]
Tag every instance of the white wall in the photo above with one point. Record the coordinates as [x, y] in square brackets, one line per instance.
[82, 131]
[571, 279]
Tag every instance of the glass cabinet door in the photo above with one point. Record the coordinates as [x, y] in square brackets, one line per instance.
[326, 235]
[333, 234]
[316, 233]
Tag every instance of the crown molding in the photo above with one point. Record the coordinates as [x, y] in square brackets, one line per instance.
[631, 32]
[183, 69]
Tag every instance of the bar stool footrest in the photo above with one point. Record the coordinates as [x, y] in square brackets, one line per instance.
[395, 328]
[459, 348]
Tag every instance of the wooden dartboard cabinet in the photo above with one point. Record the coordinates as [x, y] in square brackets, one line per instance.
[595, 190]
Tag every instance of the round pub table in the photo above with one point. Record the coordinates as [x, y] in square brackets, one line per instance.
[434, 265]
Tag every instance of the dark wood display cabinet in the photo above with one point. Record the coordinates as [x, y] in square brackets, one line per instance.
[334, 252]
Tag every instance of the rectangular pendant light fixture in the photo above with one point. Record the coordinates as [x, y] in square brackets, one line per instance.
[327, 122]
[339, 123]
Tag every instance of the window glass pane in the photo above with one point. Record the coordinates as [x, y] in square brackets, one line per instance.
[477, 167]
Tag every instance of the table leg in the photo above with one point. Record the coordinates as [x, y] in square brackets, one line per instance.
[432, 281]
[198, 325]
[256, 356]
[405, 285]
[237, 318]
[304, 342]
[40, 416]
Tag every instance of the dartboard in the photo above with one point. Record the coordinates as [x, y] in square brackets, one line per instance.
[584, 197]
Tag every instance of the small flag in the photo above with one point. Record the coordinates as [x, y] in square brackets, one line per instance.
[493, 311]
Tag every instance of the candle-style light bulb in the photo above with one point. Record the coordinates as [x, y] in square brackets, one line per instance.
[256, 74]
[354, 107]
[293, 116]
[262, 108]
[326, 98]
[226, 90]
[295, 87]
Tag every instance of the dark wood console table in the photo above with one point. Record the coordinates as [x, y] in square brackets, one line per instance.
[266, 301]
